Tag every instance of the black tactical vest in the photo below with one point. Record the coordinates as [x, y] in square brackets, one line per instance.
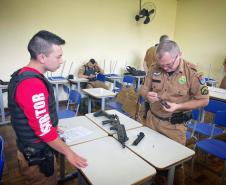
[90, 71]
[25, 135]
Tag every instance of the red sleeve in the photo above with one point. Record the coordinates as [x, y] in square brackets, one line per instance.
[32, 98]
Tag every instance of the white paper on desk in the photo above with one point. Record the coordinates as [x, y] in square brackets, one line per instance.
[75, 133]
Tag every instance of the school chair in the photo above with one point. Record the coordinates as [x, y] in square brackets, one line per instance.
[74, 99]
[210, 129]
[215, 147]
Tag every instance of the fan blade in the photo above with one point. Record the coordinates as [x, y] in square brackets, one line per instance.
[147, 20]
[151, 11]
[137, 17]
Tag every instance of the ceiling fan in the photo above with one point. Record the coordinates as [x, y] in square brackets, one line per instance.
[147, 11]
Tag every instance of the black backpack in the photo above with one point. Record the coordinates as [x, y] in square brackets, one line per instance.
[135, 72]
[4, 83]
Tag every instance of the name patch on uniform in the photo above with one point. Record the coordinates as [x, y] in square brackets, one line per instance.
[182, 80]
[204, 90]
[202, 80]
[156, 81]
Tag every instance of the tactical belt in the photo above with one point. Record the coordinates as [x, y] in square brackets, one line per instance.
[176, 118]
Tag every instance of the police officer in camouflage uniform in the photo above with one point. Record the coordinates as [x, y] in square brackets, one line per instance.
[173, 87]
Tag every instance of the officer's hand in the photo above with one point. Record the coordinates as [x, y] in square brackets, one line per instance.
[173, 107]
[152, 97]
[76, 160]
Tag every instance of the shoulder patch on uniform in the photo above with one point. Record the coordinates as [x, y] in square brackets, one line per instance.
[202, 80]
[204, 90]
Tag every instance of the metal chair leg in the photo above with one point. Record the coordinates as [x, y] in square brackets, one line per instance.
[205, 158]
[193, 162]
[224, 172]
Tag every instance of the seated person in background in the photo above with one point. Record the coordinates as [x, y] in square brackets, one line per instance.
[89, 71]
[223, 82]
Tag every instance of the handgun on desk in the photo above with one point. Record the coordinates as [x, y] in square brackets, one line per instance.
[140, 136]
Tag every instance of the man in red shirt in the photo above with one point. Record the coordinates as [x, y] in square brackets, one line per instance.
[33, 112]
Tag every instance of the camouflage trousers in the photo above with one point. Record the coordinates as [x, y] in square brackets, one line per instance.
[176, 132]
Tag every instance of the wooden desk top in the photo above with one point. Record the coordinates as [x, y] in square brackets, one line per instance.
[217, 93]
[58, 81]
[90, 130]
[157, 149]
[110, 164]
[75, 80]
[99, 92]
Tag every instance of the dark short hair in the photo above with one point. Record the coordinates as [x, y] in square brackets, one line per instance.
[92, 61]
[163, 38]
[42, 42]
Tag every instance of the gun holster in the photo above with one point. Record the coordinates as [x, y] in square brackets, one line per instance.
[44, 158]
[180, 117]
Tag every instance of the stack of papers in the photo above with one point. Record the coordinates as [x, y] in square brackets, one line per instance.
[75, 134]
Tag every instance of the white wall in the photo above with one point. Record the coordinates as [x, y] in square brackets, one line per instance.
[201, 33]
[100, 29]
